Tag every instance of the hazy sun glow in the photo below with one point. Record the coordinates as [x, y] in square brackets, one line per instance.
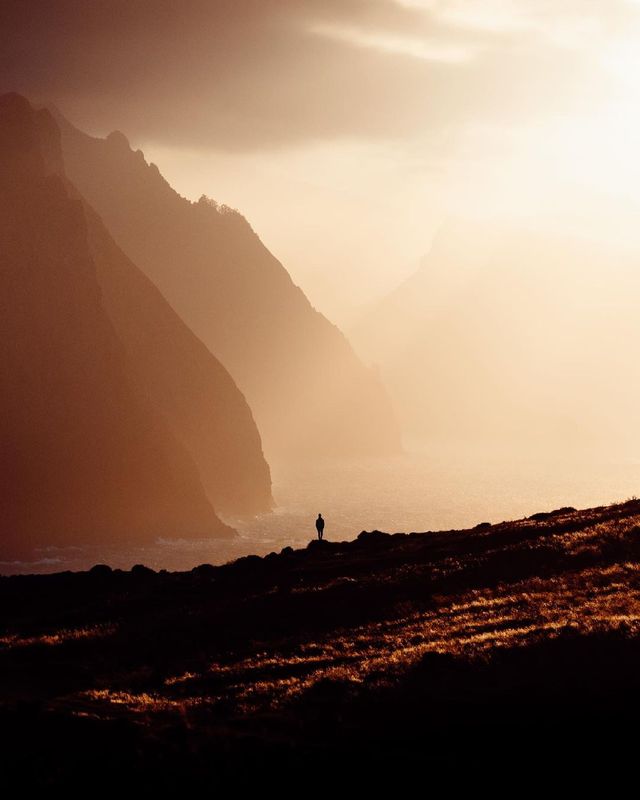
[453, 183]
[377, 202]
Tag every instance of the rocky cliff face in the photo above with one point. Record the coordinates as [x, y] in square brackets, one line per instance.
[195, 394]
[86, 456]
[309, 392]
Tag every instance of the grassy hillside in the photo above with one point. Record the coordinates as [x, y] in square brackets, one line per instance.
[408, 650]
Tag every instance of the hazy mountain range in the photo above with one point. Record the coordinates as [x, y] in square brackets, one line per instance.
[514, 338]
[118, 422]
[86, 453]
[309, 392]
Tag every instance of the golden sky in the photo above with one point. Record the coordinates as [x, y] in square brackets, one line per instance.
[347, 131]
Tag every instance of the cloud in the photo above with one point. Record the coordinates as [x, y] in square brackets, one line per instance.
[259, 74]
[421, 48]
[572, 22]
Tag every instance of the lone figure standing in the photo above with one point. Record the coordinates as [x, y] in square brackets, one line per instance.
[320, 526]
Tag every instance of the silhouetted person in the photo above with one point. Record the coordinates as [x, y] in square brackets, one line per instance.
[320, 526]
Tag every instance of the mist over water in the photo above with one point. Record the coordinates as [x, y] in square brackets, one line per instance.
[415, 491]
[509, 354]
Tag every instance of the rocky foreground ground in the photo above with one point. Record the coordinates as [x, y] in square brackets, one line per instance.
[511, 643]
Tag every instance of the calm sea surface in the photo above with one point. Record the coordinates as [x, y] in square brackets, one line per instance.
[412, 492]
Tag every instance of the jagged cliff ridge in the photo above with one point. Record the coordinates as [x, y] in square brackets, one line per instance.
[88, 453]
[197, 397]
[307, 389]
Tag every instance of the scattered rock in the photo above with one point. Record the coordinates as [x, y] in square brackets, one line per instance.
[101, 570]
[139, 570]
[564, 510]
[204, 570]
[314, 544]
[248, 561]
[373, 537]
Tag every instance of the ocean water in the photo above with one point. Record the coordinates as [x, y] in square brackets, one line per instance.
[412, 492]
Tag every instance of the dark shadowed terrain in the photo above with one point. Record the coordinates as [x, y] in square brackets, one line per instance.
[506, 645]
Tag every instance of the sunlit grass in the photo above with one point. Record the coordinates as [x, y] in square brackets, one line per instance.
[470, 626]
[58, 637]
[134, 701]
[582, 581]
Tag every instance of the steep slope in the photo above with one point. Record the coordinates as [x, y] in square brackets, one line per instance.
[307, 389]
[196, 395]
[513, 338]
[85, 457]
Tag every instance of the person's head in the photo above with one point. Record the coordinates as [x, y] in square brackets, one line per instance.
[320, 515]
